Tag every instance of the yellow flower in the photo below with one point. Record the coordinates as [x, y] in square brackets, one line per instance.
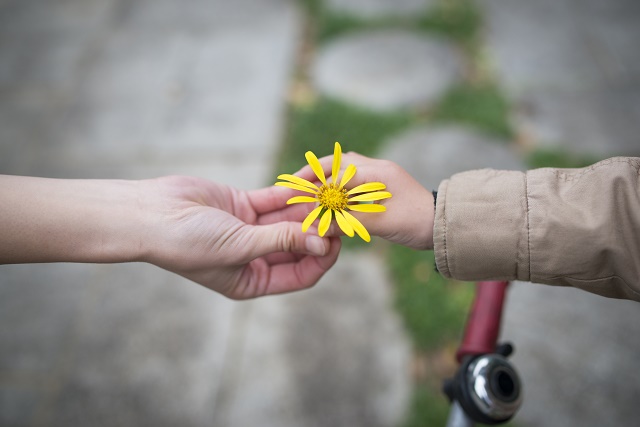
[334, 199]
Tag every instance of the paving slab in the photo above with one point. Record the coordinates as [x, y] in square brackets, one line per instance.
[603, 121]
[30, 296]
[149, 349]
[571, 69]
[433, 153]
[386, 69]
[372, 9]
[562, 44]
[157, 83]
[334, 355]
[576, 356]
[17, 405]
[39, 310]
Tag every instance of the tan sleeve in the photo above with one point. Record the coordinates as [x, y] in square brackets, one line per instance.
[568, 227]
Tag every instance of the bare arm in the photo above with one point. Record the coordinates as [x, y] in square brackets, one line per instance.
[51, 220]
[207, 232]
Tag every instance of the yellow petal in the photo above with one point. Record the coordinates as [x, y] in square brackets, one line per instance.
[369, 197]
[325, 221]
[337, 156]
[296, 187]
[364, 188]
[301, 199]
[357, 226]
[298, 180]
[310, 218]
[316, 166]
[344, 224]
[348, 174]
[367, 208]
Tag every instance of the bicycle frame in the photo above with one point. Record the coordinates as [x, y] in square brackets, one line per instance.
[486, 388]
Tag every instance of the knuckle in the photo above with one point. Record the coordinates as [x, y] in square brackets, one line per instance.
[388, 164]
[286, 239]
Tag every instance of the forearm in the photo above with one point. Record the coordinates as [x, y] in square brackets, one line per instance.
[52, 220]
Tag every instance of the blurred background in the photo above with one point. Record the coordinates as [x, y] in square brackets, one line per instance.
[237, 91]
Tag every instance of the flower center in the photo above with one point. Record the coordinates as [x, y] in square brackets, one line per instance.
[332, 197]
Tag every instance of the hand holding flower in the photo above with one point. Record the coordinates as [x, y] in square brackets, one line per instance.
[409, 215]
[333, 198]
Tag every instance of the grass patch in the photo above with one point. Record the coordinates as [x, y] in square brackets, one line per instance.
[428, 408]
[555, 158]
[458, 20]
[434, 309]
[483, 106]
[332, 25]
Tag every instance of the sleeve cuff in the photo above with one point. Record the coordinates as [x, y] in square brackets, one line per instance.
[481, 226]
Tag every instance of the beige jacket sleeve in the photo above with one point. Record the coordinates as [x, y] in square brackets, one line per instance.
[568, 227]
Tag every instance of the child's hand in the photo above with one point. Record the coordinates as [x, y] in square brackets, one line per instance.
[410, 212]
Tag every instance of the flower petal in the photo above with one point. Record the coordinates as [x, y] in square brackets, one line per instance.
[357, 226]
[296, 187]
[368, 197]
[364, 188]
[367, 208]
[303, 199]
[344, 224]
[298, 180]
[310, 218]
[337, 156]
[347, 175]
[316, 166]
[325, 221]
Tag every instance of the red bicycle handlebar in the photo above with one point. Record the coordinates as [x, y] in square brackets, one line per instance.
[483, 324]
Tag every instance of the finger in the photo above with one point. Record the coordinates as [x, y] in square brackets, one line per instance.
[294, 213]
[284, 237]
[269, 198]
[307, 172]
[283, 257]
[299, 275]
[327, 164]
[334, 230]
[368, 169]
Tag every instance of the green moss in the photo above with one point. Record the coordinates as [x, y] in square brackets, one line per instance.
[432, 307]
[483, 106]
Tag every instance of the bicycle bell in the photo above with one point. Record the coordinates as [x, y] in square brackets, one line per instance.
[488, 388]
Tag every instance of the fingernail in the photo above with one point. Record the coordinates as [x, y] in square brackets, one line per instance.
[315, 245]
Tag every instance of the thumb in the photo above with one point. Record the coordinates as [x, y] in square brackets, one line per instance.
[286, 237]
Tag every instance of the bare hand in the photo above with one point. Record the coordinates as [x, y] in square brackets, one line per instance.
[223, 238]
